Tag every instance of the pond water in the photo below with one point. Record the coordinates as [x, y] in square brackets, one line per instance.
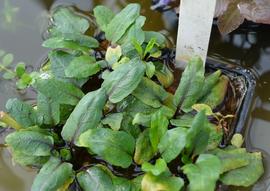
[22, 24]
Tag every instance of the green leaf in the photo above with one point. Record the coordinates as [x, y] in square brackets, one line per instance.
[189, 89]
[200, 107]
[195, 139]
[66, 21]
[204, 174]
[116, 147]
[121, 22]
[149, 46]
[113, 54]
[30, 143]
[86, 115]
[161, 182]
[150, 69]
[114, 120]
[237, 140]
[160, 38]
[215, 136]
[150, 93]
[80, 39]
[82, 67]
[231, 159]
[22, 112]
[210, 81]
[61, 43]
[137, 46]
[29, 160]
[159, 126]
[95, 179]
[122, 81]
[59, 91]
[20, 69]
[54, 175]
[144, 152]
[157, 169]
[142, 119]
[24, 81]
[216, 96]
[172, 143]
[245, 176]
[103, 16]
[164, 75]
[184, 121]
[7, 59]
[9, 75]
[48, 111]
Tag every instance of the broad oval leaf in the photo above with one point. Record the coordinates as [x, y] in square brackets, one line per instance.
[95, 179]
[103, 16]
[116, 147]
[204, 174]
[161, 182]
[82, 67]
[189, 89]
[121, 22]
[247, 175]
[22, 112]
[54, 175]
[122, 81]
[157, 169]
[29, 160]
[30, 143]
[86, 115]
[66, 21]
[144, 151]
[158, 128]
[114, 120]
[150, 93]
[172, 143]
[59, 91]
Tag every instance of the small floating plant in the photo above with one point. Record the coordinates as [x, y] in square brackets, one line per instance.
[111, 115]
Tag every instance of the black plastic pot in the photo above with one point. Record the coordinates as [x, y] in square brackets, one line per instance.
[243, 83]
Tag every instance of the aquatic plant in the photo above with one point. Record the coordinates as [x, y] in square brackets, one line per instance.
[110, 115]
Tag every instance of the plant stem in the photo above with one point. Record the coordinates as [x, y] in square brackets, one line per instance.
[6, 69]
[7, 119]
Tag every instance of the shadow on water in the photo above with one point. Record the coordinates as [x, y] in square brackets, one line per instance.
[22, 36]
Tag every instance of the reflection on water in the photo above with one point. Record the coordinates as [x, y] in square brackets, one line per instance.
[249, 49]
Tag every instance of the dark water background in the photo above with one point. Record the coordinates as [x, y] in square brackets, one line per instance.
[22, 23]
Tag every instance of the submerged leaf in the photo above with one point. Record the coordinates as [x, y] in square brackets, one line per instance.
[22, 112]
[114, 120]
[158, 128]
[204, 174]
[122, 81]
[172, 143]
[30, 143]
[231, 18]
[164, 75]
[237, 140]
[113, 54]
[116, 147]
[216, 96]
[121, 22]
[144, 152]
[157, 169]
[29, 160]
[48, 111]
[86, 115]
[150, 93]
[247, 175]
[161, 182]
[189, 89]
[95, 179]
[58, 91]
[54, 175]
[103, 16]
[82, 67]
[66, 21]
